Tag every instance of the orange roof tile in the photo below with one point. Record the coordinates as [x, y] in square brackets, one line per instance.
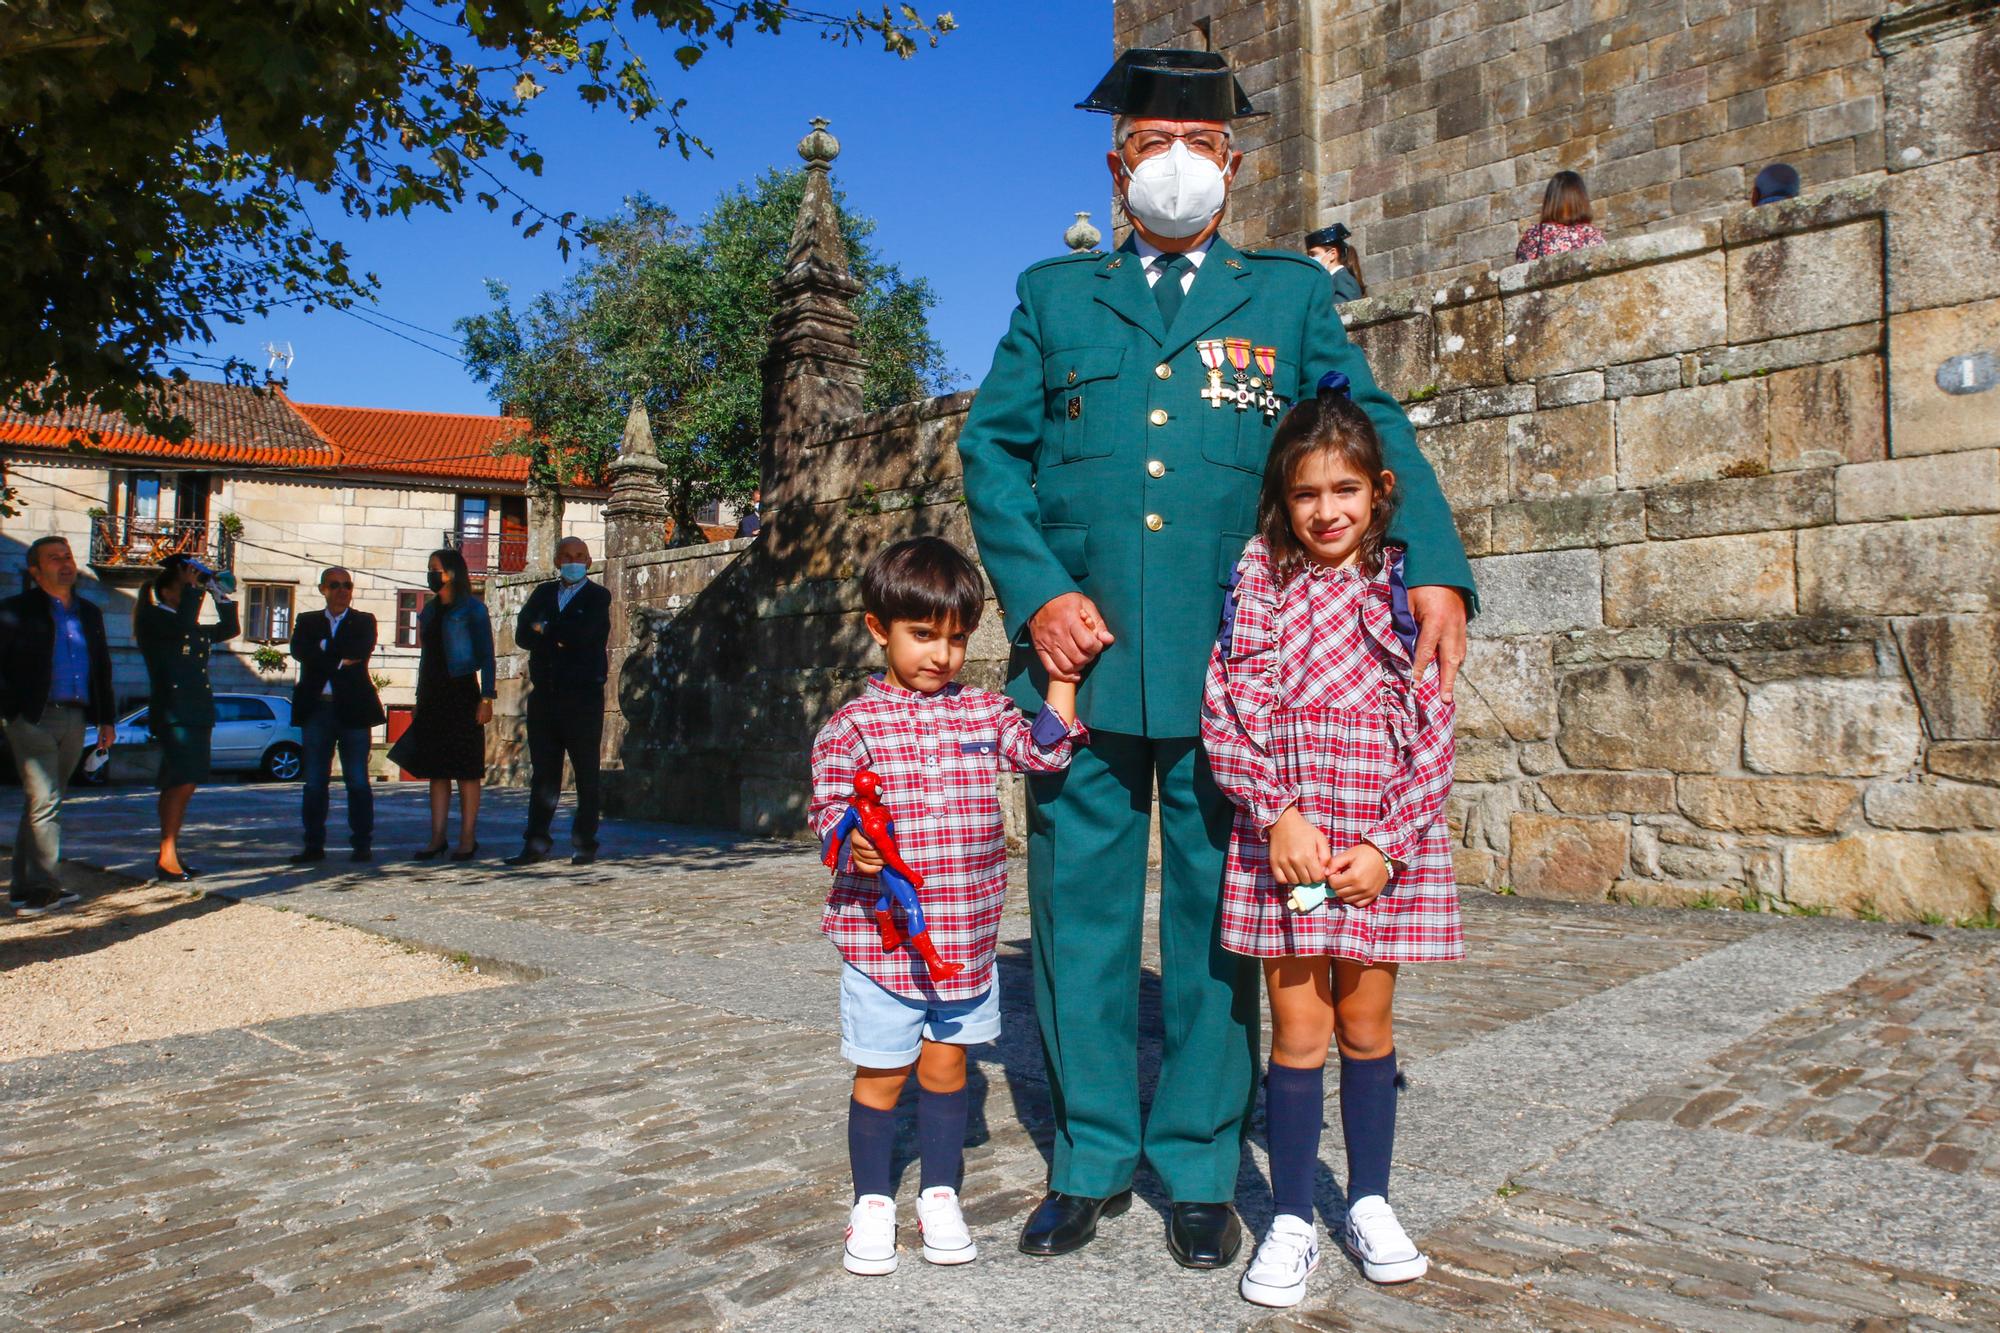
[439, 445]
[232, 424]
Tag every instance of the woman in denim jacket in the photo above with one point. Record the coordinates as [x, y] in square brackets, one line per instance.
[446, 741]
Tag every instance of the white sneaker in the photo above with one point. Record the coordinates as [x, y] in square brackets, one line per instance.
[946, 1241]
[871, 1236]
[1377, 1239]
[1289, 1254]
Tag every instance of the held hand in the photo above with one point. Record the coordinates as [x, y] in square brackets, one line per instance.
[1299, 852]
[862, 858]
[1440, 615]
[1359, 875]
[351, 661]
[1068, 634]
[485, 711]
[107, 736]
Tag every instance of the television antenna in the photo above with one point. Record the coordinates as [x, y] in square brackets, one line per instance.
[278, 352]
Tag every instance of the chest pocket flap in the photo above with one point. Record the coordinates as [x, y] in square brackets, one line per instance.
[1081, 383]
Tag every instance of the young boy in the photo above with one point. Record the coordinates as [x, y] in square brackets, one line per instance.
[936, 747]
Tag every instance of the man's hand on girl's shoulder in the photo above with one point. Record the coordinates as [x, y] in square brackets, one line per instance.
[1441, 615]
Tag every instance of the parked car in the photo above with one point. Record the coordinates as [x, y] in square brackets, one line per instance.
[253, 734]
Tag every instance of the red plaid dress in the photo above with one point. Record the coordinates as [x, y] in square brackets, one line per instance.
[939, 758]
[1308, 702]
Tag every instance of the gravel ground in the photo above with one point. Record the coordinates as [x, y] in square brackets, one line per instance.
[141, 963]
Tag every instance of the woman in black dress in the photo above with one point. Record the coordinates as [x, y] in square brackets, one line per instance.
[446, 741]
[181, 712]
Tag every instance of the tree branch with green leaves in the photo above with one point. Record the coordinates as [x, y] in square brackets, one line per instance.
[157, 156]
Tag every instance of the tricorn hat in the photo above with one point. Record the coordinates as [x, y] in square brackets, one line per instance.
[1170, 85]
[1329, 235]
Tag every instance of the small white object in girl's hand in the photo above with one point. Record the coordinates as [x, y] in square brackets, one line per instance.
[1307, 897]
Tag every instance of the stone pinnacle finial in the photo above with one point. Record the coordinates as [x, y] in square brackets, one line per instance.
[819, 148]
[1081, 235]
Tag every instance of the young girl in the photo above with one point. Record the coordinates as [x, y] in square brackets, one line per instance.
[1339, 867]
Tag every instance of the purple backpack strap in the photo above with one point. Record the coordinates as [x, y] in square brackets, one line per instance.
[1228, 632]
[1400, 618]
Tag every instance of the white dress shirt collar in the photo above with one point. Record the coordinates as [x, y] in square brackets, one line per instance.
[1149, 253]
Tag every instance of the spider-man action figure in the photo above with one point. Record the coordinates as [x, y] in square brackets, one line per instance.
[867, 814]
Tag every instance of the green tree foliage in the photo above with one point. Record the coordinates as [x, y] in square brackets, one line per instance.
[159, 159]
[680, 316]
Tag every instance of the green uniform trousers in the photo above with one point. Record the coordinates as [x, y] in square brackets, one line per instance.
[1087, 878]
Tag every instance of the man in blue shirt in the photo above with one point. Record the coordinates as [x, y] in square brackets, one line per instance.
[55, 679]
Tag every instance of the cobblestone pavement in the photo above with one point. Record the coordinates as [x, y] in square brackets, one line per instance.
[1616, 1119]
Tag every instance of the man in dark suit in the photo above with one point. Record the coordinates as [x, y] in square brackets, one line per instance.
[55, 679]
[335, 708]
[565, 626]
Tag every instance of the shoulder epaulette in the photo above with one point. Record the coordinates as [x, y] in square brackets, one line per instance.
[1070, 258]
[1291, 255]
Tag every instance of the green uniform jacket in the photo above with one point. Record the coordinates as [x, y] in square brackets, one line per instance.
[1094, 464]
[1346, 287]
[176, 646]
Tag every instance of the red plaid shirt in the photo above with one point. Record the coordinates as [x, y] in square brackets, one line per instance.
[939, 757]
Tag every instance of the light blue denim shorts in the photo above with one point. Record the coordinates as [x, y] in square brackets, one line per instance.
[880, 1029]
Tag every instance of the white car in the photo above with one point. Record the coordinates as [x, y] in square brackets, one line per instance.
[253, 734]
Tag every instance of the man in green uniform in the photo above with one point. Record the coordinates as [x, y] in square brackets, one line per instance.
[1112, 465]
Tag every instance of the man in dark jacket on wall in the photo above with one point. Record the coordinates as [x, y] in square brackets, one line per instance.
[55, 679]
[336, 709]
[565, 626]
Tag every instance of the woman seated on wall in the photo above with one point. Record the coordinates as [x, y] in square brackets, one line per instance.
[1565, 223]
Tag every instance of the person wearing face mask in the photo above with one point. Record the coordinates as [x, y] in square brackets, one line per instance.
[565, 626]
[335, 708]
[446, 742]
[1113, 460]
[1330, 249]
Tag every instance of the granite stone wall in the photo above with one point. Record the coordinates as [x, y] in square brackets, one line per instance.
[1431, 127]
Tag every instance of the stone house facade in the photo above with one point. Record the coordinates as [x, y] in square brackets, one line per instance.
[274, 491]
[1732, 490]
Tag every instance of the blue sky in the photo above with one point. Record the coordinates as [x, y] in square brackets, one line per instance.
[969, 157]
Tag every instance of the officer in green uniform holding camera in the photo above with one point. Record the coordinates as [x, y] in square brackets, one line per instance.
[1112, 465]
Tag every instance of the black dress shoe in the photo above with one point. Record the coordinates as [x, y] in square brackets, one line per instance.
[181, 876]
[307, 857]
[1203, 1235]
[1065, 1222]
[361, 854]
[428, 853]
[527, 856]
[467, 854]
[584, 856]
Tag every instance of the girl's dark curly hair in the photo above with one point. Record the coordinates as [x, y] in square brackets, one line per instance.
[1326, 423]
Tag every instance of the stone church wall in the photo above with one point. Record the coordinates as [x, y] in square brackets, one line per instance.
[1431, 127]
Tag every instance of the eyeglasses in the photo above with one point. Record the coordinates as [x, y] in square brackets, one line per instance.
[1150, 143]
[332, 586]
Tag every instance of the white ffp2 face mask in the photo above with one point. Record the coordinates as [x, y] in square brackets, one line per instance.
[1175, 193]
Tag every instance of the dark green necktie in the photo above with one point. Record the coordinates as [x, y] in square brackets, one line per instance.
[1167, 287]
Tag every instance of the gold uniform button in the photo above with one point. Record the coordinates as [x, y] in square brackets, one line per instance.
[1156, 468]
[1154, 522]
[1164, 371]
[1158, 416]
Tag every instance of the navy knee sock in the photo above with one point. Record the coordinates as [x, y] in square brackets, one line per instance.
[871, 1139]
[1368, 1120]
[1294, 1113]
[941, 1136]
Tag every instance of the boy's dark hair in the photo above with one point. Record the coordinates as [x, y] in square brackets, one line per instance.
[924, 578]
[1328, 422]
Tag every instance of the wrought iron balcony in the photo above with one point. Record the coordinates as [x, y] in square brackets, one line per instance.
[143, 543]
[488, 553]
